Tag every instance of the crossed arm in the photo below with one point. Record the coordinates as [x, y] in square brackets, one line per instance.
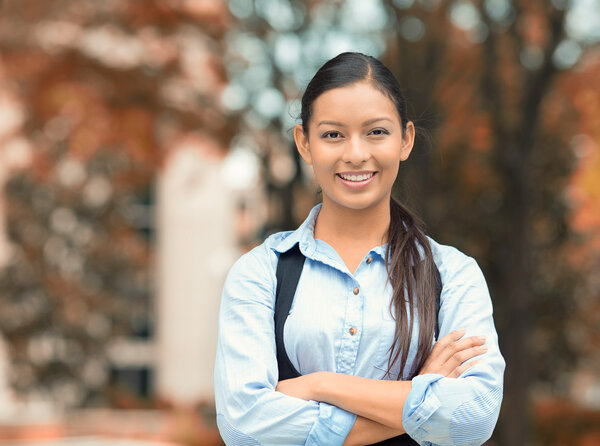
[378, 404]
[433, 407]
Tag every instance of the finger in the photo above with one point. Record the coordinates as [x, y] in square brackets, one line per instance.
[440, 352]
[466, 343]
[448, 339]
[464, 355]
[455, 335]
[463, 368]
[458, 346]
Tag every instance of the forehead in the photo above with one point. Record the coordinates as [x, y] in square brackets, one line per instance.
[354, 103]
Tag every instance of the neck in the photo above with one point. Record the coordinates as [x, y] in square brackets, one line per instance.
[336, 224]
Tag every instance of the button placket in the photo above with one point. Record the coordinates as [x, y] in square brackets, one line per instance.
[351, 338]
[355, 318]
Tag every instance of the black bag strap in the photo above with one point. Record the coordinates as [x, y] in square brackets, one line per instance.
[289, 268]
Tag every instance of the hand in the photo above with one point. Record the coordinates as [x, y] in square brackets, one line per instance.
[450, 353]
[303, 387]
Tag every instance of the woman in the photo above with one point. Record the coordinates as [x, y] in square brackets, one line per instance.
[368, 284]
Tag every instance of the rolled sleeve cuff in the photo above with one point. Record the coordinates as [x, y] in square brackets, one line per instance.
[332, 426]
[420, 404]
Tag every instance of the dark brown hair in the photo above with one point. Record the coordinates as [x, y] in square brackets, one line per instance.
[409, 260]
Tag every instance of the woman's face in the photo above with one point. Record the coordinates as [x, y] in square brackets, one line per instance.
[355, 145]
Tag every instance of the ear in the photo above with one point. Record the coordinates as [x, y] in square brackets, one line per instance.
[408, 140]
[302, 143]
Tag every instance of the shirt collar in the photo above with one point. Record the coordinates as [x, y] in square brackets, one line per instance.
[305, 236]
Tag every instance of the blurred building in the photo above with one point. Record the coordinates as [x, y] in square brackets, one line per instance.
[188, 214]
[196, 245]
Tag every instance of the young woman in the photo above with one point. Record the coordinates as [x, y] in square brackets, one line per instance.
[361, 329]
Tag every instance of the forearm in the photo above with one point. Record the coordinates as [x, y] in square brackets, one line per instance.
[378, 400]
[366, 431]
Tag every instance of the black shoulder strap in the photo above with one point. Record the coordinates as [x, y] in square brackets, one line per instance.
[289, 268]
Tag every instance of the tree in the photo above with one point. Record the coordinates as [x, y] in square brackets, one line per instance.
[503, 160]
[107, 89]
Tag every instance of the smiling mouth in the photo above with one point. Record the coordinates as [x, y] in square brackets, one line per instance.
[356, 177]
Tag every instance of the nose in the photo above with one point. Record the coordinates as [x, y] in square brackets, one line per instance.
[356, 152]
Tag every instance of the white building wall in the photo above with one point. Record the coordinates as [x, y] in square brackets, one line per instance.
[196, 244]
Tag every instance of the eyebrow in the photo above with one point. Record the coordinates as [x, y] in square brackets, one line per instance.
[339, 124]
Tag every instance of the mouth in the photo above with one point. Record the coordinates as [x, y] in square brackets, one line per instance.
[356, 177]
[356, 180]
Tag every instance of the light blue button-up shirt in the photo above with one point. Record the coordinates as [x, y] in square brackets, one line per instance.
[318, 336]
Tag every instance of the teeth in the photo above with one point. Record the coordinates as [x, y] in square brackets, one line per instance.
[357, 177]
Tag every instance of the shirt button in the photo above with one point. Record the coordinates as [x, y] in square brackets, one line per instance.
[352, 331]
[356, 290]
[369, 260]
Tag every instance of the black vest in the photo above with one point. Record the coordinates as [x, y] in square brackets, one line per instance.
[289, 269]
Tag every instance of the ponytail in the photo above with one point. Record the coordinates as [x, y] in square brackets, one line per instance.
[411, 272]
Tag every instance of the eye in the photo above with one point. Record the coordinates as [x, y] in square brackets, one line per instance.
[331, 135]
[380, 132]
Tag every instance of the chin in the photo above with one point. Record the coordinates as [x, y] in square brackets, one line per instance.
[358, 204]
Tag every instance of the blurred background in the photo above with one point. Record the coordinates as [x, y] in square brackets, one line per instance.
[146, 144]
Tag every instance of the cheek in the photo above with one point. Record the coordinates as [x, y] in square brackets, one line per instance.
[394, 167]
[390, 173]
[390, 163]
[321, 162]
[321, 170]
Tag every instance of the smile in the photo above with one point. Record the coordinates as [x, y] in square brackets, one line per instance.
[354, 177]
[356, 180]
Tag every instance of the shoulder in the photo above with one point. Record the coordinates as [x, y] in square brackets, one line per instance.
[252, 279]
[260, 263]
[455, 266]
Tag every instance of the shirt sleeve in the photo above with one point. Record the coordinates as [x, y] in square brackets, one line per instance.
[249, 410]
[463, 410]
